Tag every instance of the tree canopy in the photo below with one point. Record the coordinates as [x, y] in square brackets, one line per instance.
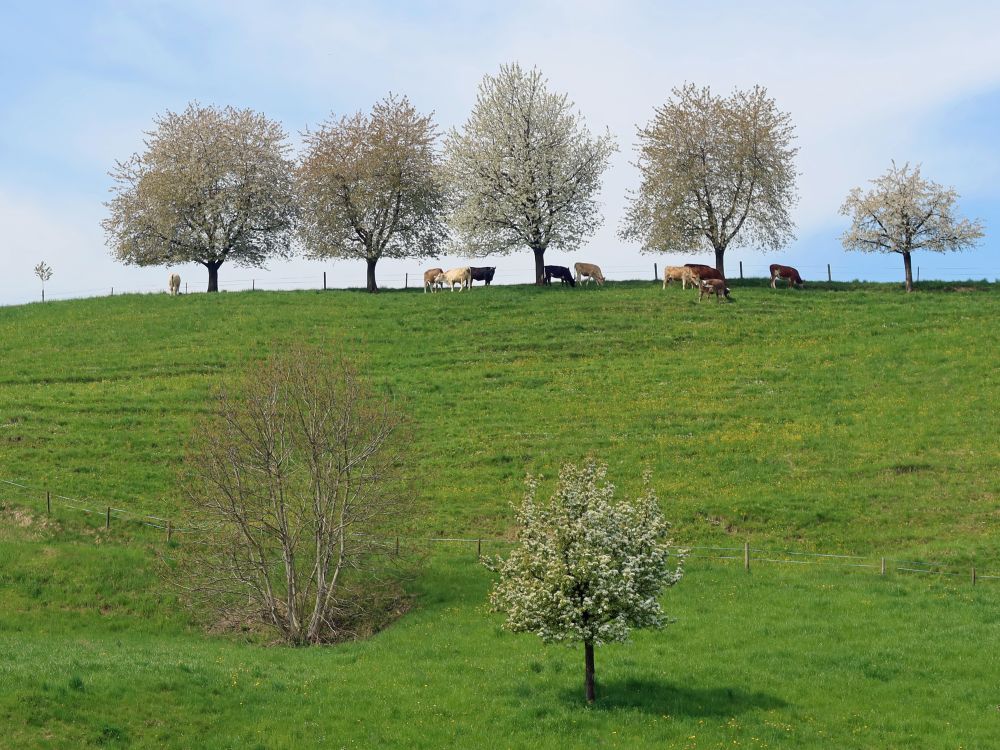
[904, 212]
[586, 568]
[213, 185]
[524, 170]
[716, 172]
[370, 187]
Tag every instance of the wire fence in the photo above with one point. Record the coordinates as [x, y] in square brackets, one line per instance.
[747, 554]
[524, 275]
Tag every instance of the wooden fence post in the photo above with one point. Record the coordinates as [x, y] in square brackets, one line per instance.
[170, 530]
[741, 270]
[324, 281]
[829, 273]
[253, 285]
[397, 546]
[973, 575]
[107, 519]
[656, 272]
[185, 288]
[479, 548]
[746, 555]
[883, 566]
[48, 502]
[406, 282]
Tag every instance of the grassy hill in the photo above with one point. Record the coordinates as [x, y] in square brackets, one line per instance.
[842, 418]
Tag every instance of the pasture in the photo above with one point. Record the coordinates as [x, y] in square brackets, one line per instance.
[841, 418]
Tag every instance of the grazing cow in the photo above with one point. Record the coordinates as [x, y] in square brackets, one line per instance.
[704, 272]
[174, 283]
[483, 274]
[779, 271]
[714, 286]
[430, 279]
[588, 271]
[461, 276]
[559, 272]
[682, 274]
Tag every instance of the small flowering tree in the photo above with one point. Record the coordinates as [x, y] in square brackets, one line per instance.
[587, 568]
[44, 272]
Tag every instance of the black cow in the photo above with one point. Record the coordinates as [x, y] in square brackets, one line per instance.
[559, 272]
[483, 274]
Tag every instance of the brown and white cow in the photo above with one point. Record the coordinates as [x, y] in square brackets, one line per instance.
[461, 276]
[430, 279]
[779, 271]
[174, 283]
[588, 271]
[682, 274]
[704, 272]
[713, 286]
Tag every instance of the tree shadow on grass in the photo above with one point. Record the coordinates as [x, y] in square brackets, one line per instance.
[661, 698]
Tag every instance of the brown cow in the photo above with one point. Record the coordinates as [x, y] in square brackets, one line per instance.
[779, 271]
[588, 271]
[430, 279]
[714, 286]
[704, 272]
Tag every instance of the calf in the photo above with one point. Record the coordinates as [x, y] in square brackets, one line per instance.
[714, 286]
[559, 272]
[174, 283]
[682, 274]
[779, 271]
[461, 276]
[431, 279]
[588, 271]
[483, 274]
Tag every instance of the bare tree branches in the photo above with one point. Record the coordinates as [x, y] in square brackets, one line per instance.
[904, 212]
[212, 185]
[716, 172]
[297, 469]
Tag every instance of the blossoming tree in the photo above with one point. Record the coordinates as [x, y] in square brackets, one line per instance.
[588, 568]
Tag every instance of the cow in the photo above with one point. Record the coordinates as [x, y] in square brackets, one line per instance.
[559, 272]
[714, 286]
[430, 279]
[483, 274]
[588, 271]
[779, 271]
[704, 272]
[679, 273]
[174, 283]
[461, 276]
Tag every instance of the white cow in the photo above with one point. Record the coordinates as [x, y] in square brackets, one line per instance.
[174, 283]
[461, 276]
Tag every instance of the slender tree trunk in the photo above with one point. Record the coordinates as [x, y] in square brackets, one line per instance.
[213, 274]
[909, 272]
[588, 650]
[372, 286]
[539, 265]
[720, 264]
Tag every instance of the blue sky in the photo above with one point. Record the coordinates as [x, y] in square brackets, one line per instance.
[865, 83]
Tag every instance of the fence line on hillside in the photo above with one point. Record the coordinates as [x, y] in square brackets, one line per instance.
[651, 270]
[748, 554]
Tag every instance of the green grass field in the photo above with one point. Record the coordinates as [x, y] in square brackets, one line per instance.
[846, 418]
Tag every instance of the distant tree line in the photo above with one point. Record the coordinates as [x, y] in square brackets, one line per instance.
[523, 173]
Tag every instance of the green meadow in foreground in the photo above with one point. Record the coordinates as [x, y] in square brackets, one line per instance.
[841, 418]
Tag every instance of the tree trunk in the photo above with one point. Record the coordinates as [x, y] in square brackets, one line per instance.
[372, 286]
[588, 648]
[720, 264]
[213, 275]
[909, 272]
[539, 265]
